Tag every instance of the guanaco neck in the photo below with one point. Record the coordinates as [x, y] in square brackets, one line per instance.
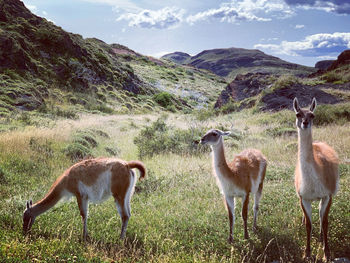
[219, 160]
[47, 202]
[305, 149]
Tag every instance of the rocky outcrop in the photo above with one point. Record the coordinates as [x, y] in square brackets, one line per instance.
[242, 87]
[271, 97]
[324, 64]
[343, 59]
[282, 98]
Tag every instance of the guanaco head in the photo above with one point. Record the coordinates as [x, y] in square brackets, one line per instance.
[304, 117]
[213, 136]
[28, 217]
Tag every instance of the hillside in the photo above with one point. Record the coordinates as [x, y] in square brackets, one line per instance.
[272, 93]
[229, 62]
[44, 68]
[38, 58]
[177, 57]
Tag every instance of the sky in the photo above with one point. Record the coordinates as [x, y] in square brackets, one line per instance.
[299, 31]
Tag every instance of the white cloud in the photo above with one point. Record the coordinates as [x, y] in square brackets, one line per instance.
[31, 7]
[245, 10]
[168, 17]
[118, 4]
[299, 26]
[313, 45]
[336, 6]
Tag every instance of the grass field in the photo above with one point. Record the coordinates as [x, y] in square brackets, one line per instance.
[178, 213]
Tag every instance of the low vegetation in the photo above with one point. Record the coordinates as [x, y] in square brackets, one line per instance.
[177, 211]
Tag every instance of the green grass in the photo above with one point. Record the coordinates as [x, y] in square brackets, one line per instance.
[178, 213]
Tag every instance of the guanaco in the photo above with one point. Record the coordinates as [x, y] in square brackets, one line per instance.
[244, 175]
[90, 180]
[316, 174]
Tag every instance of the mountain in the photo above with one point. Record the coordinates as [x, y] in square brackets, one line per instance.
[229, 62]
[177, 57]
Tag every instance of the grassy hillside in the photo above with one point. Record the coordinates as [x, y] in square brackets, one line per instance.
[177, 212]
[229, 62]
[51, 71]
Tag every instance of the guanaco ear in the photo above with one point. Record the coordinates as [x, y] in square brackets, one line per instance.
[296, 105]
[313, 105]
[226, 133]
[29, 204]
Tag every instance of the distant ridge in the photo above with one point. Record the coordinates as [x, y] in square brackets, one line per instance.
[228, 62]
[178, 57]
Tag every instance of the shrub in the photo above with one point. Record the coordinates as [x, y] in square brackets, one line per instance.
[161, 138]
[285, 81]
[331, 77]
[77, 151]
[229, 107]
[164, 99]
[326, 114]
[82, 144]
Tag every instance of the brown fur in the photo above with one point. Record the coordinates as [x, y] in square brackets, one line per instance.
[235, 178]
[87, 172]
[318, 164]
[244, 167]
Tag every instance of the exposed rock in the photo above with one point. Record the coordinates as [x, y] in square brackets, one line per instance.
[282, 98]
[250, 85]
[343, 59]
[324, 64]
[242, 87]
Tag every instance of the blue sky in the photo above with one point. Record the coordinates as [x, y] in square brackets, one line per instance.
[300, 31]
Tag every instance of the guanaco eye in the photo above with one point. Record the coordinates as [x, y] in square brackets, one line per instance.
[214, 134]
[312, 116]
[298, 115]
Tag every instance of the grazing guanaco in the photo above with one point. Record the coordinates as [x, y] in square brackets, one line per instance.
[90, 180]
[244, 175]
[316, 174]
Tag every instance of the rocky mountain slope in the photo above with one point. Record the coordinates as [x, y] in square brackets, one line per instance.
[43, 67]
[37, 57]
[229, 62]
[272, 93]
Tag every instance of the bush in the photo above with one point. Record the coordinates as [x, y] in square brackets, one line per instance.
[285, 81]
[160, 138]
[331, 77]
[82, 144]
[164, 99]
[326, 114]
[77, 151]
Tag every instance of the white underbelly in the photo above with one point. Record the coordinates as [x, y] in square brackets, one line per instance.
[227, 188]
[311, 188]
[100, 190]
